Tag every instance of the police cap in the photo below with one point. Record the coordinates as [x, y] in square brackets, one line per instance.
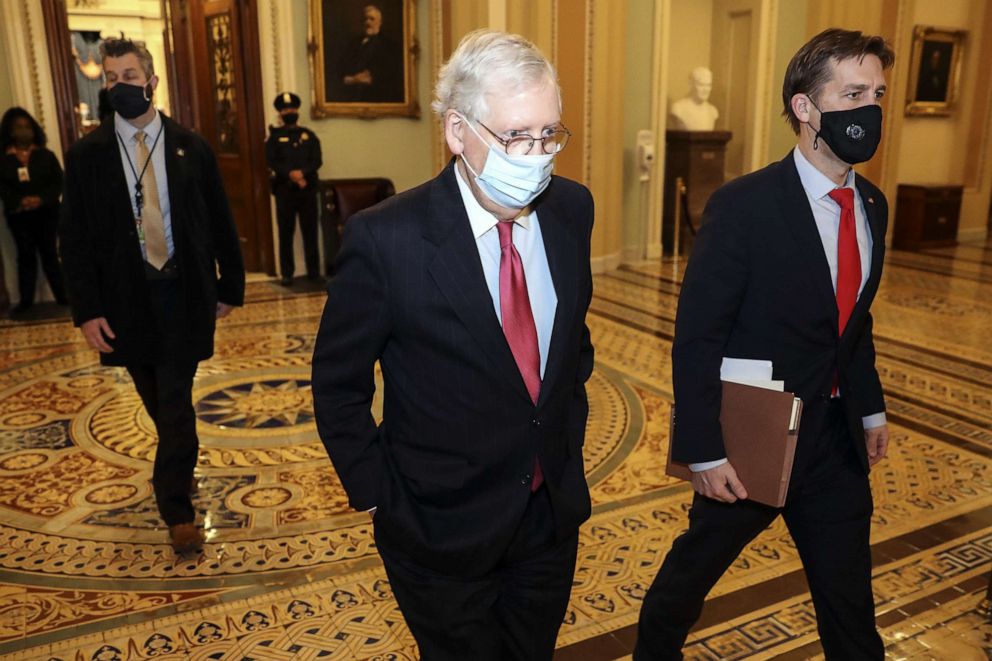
[287, 100]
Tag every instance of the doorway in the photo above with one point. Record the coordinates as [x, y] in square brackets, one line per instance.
[207, 54]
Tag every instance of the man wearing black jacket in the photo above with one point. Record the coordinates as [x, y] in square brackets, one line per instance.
[784, 269]
[471, 290]
[145, 228]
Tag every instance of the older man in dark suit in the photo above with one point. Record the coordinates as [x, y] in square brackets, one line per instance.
[785, 268]
[471, 290]
[145, 227]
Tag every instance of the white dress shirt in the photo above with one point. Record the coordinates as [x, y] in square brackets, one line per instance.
[127, 132]
[529, 243]
[826, 214]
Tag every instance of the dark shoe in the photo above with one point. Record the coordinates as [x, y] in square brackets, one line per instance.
[185, 538]
[286, 280]
[316, 277]
[21, 308]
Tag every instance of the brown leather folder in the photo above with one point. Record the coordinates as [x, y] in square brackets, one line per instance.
[760, 428]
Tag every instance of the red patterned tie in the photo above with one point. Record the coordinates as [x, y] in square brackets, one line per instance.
[848, 259]
[518, 321]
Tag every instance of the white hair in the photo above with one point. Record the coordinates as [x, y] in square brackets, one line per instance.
[484, 60]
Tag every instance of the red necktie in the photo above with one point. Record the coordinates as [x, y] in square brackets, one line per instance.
[848, 259]
[518, 321]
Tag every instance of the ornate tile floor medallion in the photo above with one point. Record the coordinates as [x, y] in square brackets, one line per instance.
[290, 572]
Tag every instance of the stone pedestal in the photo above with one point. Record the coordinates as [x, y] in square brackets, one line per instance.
[698, 158]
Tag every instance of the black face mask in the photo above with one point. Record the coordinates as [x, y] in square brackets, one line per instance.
[291, 118]
[852, 135]
[130, 101]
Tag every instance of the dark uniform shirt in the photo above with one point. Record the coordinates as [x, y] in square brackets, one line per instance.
[292, 148]
[44, 179]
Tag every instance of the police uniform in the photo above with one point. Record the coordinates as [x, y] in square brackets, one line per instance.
[292, 147]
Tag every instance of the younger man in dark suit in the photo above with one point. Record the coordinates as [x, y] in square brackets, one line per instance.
[785, 268]
[145, 228]
[293, 154]
[471, 290]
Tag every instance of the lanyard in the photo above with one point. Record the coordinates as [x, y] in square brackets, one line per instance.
[139, 197]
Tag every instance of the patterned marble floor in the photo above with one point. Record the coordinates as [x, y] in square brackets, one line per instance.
[290, 572]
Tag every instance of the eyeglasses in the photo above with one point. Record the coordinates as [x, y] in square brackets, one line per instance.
[522, 144]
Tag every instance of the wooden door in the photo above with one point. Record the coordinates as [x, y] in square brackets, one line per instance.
[226, 73]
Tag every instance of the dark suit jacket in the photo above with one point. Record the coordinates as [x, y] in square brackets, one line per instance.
[102, 258]
[450, 466]
[758, 286]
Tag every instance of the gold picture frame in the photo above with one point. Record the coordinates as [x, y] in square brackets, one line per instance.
[363, 56]
[934, 71]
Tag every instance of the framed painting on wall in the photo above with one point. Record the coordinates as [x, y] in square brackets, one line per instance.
[934, 70]
[362, 58]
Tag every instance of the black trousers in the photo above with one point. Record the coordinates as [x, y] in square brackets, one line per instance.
[289, 204]
[512, 613]
[34, 235]
[166, 390]
[828, 515]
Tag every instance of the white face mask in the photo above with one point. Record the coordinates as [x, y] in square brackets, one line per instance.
[511, 181]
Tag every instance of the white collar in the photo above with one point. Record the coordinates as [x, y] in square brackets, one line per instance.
[817, 184]
[481, 220]
[127, 130]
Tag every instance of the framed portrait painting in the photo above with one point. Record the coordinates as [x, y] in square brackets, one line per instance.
[934, 70]
[362, 58]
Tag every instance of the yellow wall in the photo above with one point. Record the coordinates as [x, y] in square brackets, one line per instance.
[639, 46]
[790, 35]
[605, 151]
[6, 95]
[692, 27]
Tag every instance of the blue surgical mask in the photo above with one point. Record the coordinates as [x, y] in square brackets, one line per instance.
[511, 181]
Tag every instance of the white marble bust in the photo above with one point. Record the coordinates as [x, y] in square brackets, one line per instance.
[694, 112]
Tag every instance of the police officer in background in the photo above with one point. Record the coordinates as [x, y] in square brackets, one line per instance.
[293, 155]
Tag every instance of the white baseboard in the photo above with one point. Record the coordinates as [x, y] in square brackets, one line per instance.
[605, 263]
[633, 254]
[972, 234]
[640, 253]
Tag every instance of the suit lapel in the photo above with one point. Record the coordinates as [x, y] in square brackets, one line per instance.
[119, 193]
[175, 161]
[877, 256]
[457, 271]
[798, 218]
[559, 245]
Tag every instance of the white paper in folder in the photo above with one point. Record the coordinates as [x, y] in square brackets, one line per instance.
[749, 372]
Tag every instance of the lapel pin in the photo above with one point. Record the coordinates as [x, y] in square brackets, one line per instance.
[180, 152]
[871, 200]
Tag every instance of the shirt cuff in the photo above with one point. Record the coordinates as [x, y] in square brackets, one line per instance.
[706, 465]
[873, 421]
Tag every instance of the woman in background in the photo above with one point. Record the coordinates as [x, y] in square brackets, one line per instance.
[30, 188]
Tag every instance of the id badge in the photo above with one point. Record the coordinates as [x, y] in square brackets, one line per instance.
[23, 175]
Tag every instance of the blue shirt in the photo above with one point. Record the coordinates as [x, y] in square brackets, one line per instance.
[127, 133]
[529, 243]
